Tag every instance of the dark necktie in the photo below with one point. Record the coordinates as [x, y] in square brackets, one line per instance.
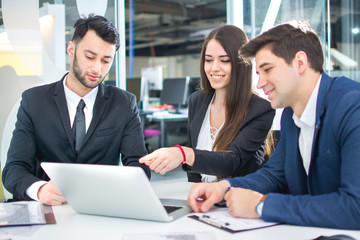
[79, 126]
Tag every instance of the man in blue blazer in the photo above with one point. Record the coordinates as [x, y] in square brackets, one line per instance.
[45, 125]
[312, 178]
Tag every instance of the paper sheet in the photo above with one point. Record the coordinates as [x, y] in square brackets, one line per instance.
[25, 213]
[223, 219]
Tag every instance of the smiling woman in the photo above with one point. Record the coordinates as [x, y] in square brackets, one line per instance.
[217, 65]
[227, 123]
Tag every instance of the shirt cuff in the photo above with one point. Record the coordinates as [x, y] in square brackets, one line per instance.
[227, 180]
[33, 190]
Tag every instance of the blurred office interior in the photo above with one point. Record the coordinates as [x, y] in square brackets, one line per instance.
[155, 34]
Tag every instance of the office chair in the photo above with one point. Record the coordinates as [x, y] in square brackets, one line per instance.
[149, 133]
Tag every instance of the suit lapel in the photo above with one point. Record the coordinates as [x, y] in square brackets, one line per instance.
[199, 118]
[298, 182]
[324, 88]
[60, 100]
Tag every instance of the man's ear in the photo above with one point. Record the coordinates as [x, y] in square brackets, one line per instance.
[301, 61]
[71, 49]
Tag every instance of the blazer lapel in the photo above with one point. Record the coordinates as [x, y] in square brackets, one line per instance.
[60, 100]
[324, 88]
[199, 118]
[298, 184]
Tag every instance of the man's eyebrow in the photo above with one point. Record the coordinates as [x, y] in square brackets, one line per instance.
[94, 53]
[89, 51]
[261, 66]
[264, 64]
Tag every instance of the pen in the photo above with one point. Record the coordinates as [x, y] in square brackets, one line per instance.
[208, 220]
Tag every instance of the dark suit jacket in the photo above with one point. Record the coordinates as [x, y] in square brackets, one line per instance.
[330, 195]
[247, 149]
[43, 134]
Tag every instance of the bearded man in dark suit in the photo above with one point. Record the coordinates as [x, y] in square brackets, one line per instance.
[46, 120]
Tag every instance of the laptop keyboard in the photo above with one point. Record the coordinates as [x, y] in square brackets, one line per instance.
[170, 209]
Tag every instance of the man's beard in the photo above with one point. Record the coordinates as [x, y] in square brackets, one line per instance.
[81, 76]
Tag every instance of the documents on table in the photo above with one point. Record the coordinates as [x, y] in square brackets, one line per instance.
[25, 213]
[223, 220]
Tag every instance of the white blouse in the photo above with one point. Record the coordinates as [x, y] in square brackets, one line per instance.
[206, 140]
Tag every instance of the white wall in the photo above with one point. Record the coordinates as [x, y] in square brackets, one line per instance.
[32, 52]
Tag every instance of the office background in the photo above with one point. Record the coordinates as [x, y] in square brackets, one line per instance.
[157, 33]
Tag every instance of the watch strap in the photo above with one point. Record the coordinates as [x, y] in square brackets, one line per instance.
[259, 206]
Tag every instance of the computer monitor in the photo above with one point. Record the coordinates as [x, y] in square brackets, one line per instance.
[194, 85]
[133, 85]
[139, 87]
[174, 92]
[153, 77]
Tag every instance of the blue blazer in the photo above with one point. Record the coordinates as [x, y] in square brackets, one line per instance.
[330, 195]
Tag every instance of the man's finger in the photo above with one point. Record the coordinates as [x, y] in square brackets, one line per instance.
[196, 192]
[209, 202]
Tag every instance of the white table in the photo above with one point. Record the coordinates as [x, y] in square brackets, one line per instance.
[71, 225]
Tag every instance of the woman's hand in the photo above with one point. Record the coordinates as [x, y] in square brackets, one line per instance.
[164, 160]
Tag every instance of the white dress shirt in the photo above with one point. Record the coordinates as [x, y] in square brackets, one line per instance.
[205, 142]
[306, 123]
[72, 100]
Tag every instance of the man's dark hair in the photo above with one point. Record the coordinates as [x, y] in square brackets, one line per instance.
[286, 40]
[101, 25]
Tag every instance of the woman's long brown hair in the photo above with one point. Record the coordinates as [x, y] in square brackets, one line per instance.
[238, 91]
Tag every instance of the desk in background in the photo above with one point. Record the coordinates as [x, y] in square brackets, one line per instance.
[164, 118]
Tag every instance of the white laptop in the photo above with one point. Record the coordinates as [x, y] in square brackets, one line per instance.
[112, 191]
